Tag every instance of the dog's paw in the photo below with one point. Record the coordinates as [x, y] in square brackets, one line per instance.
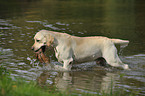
[126, 67]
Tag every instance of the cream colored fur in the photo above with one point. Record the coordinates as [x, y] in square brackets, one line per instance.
[72, 49]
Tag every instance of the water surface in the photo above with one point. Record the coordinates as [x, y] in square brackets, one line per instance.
[20, 20]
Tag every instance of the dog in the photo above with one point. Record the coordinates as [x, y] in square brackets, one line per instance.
[72, 49]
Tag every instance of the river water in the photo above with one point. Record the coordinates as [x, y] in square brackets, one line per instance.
[124, 19]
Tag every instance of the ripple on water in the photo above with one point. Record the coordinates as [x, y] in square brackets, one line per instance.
[5, 24]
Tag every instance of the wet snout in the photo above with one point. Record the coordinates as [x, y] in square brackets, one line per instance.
[36, 47]
[32, 48]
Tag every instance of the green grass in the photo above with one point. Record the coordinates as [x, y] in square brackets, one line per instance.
[19, 87]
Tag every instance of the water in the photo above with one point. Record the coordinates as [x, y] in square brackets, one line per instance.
[20, 20]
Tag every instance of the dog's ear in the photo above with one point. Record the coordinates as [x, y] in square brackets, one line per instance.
[49, 39]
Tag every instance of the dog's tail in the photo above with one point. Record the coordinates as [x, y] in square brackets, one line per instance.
[119, 41]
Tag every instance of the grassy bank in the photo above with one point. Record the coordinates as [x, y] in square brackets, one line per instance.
[19, 87]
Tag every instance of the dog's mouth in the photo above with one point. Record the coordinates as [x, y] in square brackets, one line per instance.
[41, 49]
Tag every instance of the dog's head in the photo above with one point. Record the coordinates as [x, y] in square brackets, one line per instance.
[42, 38]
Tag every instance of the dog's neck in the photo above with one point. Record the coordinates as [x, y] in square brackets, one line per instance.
[59, 38]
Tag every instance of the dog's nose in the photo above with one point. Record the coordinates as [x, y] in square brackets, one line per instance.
[32, 48]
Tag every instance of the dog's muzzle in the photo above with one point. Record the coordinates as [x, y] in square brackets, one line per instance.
[42, 47]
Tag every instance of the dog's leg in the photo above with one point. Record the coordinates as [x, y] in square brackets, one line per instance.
[110, 55]
[67, 64]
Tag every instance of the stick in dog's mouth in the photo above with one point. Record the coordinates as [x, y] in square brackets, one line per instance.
[41, 56]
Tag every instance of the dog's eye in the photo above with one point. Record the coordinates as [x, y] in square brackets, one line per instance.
[37, 40]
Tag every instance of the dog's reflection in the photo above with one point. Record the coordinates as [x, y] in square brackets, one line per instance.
[79, 80]
[41, 80]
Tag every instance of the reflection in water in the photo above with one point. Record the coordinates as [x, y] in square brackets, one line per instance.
[87, 81]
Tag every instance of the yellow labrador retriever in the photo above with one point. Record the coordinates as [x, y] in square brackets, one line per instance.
[72, 49]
